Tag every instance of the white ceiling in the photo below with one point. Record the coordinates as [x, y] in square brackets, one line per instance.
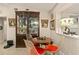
[41, 6]
[73, 9]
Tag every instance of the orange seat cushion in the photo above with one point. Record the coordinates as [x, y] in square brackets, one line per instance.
[40, 50]
[51, 48]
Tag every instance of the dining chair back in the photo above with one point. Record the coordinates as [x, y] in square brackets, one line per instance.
[30, 48]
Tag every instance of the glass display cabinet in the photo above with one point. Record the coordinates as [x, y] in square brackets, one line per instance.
[21, 24]
[33, 26]
[27, 23]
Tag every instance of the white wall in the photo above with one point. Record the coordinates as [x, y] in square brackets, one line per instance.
[1, 31]
[10, 13]
[45, 31]
[5, 27]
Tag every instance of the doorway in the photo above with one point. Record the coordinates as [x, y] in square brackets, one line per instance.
[3, 29]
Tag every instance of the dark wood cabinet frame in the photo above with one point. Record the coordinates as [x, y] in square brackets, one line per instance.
[19, 38]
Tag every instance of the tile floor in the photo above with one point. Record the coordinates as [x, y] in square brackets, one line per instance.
[12, 50]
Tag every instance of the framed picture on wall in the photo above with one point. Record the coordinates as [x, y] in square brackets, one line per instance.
[12, 21]
[52, 25]
[44, 23]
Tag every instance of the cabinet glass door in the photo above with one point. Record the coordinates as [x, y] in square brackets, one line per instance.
[21, 24]
[33, 26]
